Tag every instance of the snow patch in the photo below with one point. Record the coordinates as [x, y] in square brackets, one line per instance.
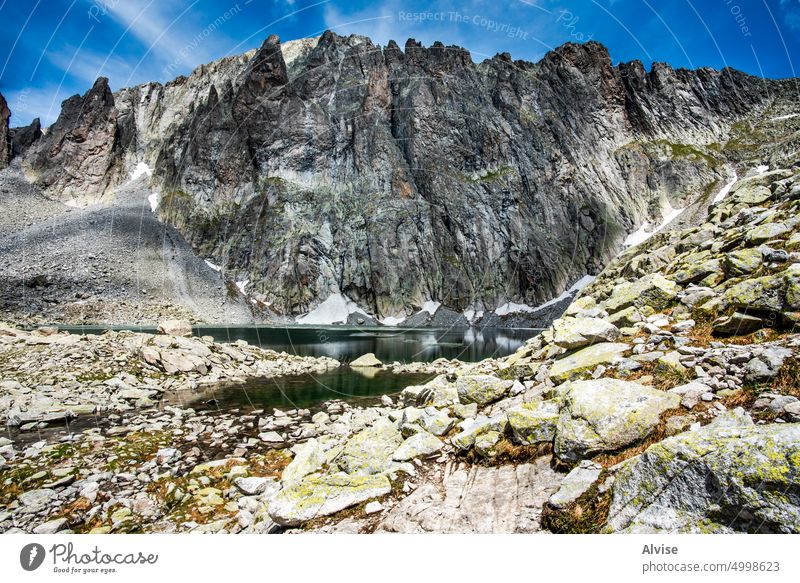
[333, 310]
[213, 266]
[72, 203]
[644, 233]
[141, 169]
[393, 321]
[512, 308]
[783, 117]
[472, 315]
[242, 285]
[762, 169]
[154, 199]
[581, 283]
[431, 307]
[725, 190]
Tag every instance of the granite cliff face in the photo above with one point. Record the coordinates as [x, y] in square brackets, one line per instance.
[333, 166]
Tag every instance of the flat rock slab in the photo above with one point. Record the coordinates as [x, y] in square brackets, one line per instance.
[477, 499]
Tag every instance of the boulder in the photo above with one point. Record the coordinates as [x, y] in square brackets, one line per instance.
[571, 333]
[729, 476]
[175, 328]
[767, 232]
[485, 443]
[759, 293]
[607, 415]
[481, 389]
[586, 359]
[652, 290]
[474, 428]
[737, 324]
[308, 458]
[421, 444]
[322, 495]
[370, 450]
[368, 360]
[742, 262]
[177, 361]
[534, 422]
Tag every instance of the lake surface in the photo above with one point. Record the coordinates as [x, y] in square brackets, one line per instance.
[347, 343]
[344, 344]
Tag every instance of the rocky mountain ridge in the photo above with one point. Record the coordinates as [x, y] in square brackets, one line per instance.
[386, 180]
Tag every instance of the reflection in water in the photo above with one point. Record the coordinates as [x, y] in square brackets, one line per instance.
[345, 344]
[303, 391]
[403, 345]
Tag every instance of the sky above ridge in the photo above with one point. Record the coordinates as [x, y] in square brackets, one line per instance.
[51, 49]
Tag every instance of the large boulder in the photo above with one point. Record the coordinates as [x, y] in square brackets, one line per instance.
[652, 290]
[322, 495]
[534, 422]
[759, 293]
[481, 389]
[606, 415]
[586, 359]
[308, 458]
[175, 328]
[421, 444]
[729, 476]
[370, 450]
[368, 360]
[571, 333]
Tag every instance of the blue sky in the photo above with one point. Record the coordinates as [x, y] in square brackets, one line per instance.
[51, 49]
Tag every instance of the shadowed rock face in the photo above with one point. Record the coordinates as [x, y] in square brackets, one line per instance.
[80, 156]
[395, 177]
[5, 141]
[22, 138]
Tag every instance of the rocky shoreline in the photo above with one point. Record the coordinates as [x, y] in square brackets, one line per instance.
[665, 399]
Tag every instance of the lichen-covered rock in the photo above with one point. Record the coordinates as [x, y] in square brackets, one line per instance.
[671, 362]
[370, 450]
[439, 392]
[570, 366]
[576, 484]
[486, 443]
[696, 267]
[758, 293]
[767, 232]
[481, 389]
[607, 415]
[534, 422]
[436, 421]
[729, 476]
[571, 333]
[421, 444]
[322, 495]
[742, 262]
[652, 290]
[474, 428]
[308, 458]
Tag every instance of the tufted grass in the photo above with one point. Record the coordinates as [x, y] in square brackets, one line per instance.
[587, 515]
[788, 379]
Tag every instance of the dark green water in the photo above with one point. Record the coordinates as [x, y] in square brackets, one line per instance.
[301, 392]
